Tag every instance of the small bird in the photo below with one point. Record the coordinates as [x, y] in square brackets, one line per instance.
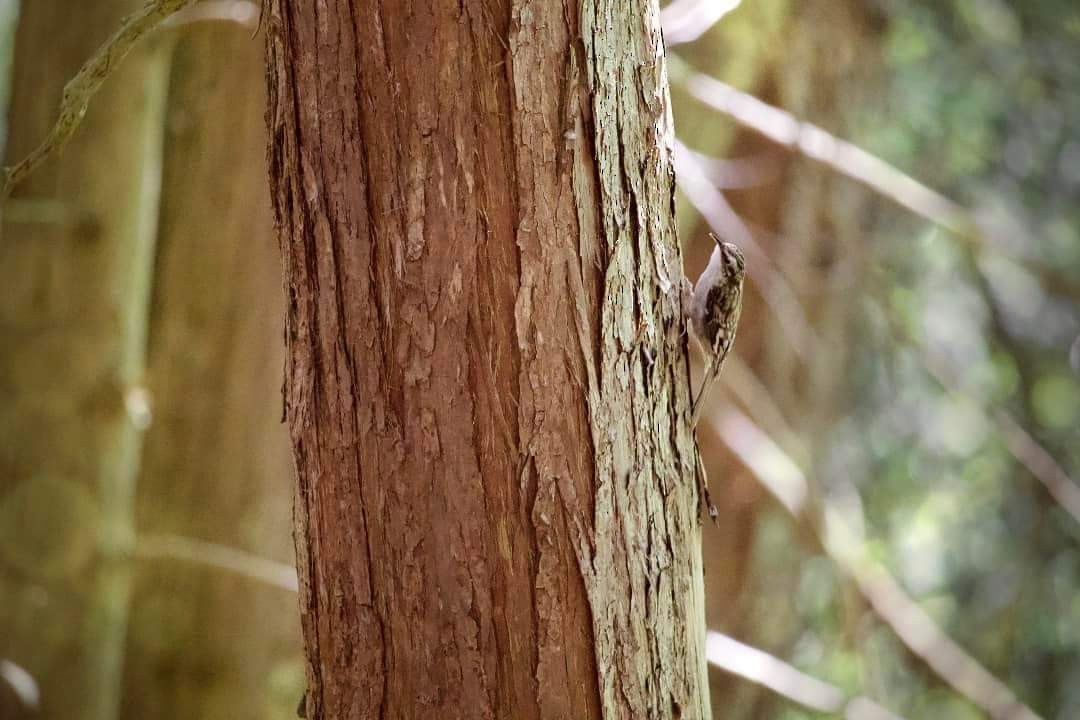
[715, 306]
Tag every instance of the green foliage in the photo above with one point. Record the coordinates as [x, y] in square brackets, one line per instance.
[983, 103]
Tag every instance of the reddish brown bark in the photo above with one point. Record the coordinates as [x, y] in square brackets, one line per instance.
[487, 383]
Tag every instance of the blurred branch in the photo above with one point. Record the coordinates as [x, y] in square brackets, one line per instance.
[851, 161]
[22, 683]
[726, 223]
[766, 460]
[177, 547]
[242, 12]
[58, 213]
[925, 639]
[740, 379]
[759, 667]
[744, 385]
[1024, 448]
[785, 129]
[686, 20]
[782, 477]
[737, 173]
[82, 88]
[1019, 442]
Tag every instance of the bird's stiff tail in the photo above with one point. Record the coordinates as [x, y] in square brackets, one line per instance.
[703, 389]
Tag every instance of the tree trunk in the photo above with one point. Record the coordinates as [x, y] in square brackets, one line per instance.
[486, 380]
[75, 264]
[208, 643]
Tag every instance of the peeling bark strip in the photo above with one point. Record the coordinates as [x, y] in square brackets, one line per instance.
[486, 382]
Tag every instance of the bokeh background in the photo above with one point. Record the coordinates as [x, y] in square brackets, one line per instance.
[894, 447]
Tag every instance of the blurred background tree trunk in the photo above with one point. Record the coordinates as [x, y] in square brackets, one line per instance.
[207, 643]
[75, 278]
[817, 60]
[113, 316]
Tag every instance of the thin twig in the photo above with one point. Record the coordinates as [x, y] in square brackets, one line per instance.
[686, 20]
[241, 12]
[783, 477]
[739, 173]
[1024, 448]
[765, 459]
[745, 385]
[786, 130]
[82, 88]
[57, 213]
[771, 672]
[222, 557]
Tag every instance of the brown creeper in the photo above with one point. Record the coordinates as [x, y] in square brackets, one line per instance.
[715, 306]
